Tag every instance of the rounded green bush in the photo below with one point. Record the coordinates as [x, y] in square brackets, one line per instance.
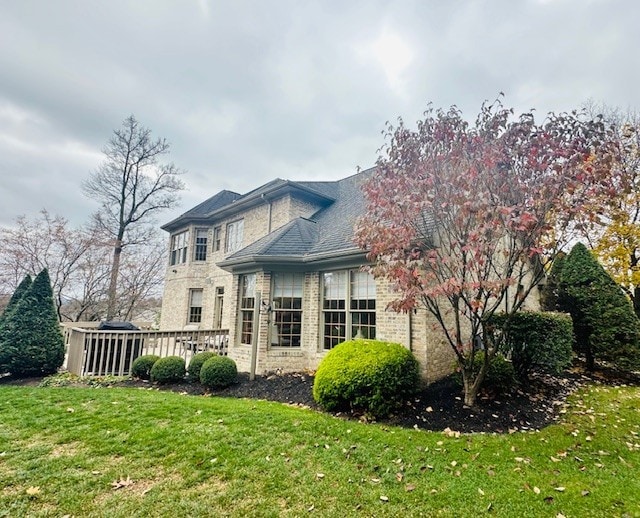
[168, 370]
[367, 375]
[141, 367]
[197, 360]
[218, 372]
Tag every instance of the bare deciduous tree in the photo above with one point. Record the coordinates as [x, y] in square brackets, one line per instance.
[131, 185]
[45, 242]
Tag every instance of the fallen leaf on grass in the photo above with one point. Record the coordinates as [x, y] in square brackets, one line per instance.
[384, 498]
[119, 484]
[585, 493]
[560, 489]
[70, 410]
[409, 487]
[319, 476]
[33, 490]
[536, 490]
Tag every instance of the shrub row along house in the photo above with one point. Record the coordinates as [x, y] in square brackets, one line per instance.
[278, 268]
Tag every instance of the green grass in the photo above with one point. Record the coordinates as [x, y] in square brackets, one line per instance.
[132, 452]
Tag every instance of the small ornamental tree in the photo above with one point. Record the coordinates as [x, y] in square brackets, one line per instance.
[461, 216]
[604, 323]
[32, 343]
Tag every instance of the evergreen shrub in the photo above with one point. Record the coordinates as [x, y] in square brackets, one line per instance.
[31, 341]
[535, 341]
[218, 372]
[604, 323]
[366, 375]
[196, 362]
[141, 367]
[170, 369]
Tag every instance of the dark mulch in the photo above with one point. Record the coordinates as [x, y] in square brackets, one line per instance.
[438, 406]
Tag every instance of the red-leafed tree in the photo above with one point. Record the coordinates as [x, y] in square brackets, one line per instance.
[462, 216]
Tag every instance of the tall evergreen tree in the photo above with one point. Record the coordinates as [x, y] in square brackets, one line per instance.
[604, 324]
[17, 295]
[13, 301]
[32, 343]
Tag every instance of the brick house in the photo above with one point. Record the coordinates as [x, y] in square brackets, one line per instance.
[278, 268]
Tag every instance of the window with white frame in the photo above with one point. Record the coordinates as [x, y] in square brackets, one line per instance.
[219, 304]
[217, 237]
[348, 306]
[200, 248]
[247, 307]
[286, 303]
[195, 306]
[179, 245]
[233, 240]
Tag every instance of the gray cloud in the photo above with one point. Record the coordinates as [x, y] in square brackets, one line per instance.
[247, 91]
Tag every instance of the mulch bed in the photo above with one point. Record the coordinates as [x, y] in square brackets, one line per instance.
[437, 407]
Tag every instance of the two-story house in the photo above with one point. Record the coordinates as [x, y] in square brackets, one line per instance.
[279, 269]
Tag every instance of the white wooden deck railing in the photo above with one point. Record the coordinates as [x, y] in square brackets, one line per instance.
[100, 353]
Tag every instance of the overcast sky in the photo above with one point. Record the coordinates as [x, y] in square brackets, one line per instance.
[248, 91]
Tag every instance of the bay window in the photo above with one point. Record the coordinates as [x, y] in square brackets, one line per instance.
[348, 306]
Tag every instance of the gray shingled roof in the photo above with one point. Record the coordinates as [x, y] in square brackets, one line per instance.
[216, 202]
[329, 231]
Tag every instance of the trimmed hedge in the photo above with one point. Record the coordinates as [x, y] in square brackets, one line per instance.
[170, 369]
[218, 372]
[367, 375]
[141, 367]
[195, 365]
[535, 340]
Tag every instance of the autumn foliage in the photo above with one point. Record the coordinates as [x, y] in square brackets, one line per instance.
[462, 216]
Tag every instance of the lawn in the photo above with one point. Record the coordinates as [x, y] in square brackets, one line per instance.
[133, 452]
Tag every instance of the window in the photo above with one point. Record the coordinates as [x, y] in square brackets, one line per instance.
[195, 306]
[217, 320]
[200, 250]
[287, 309]
[247, 307]
[234, 236]
[348, 306]
[179, 244]
[217, 233]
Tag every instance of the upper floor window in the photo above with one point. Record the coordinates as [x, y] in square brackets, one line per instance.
[179, 245]
[200, 249]
[287, 309]
[217, 237]
[234, 236]
[348, 306]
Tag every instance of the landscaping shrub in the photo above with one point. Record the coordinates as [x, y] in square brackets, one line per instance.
[195, 365]
[369, 375]
[168, 370]
[535, 340]
[604, 323]
[141, 367]
[218, 372]
[31, 341]
[501, 376]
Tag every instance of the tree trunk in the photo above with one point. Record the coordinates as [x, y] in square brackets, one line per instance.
[636, 300]
[113, 280]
